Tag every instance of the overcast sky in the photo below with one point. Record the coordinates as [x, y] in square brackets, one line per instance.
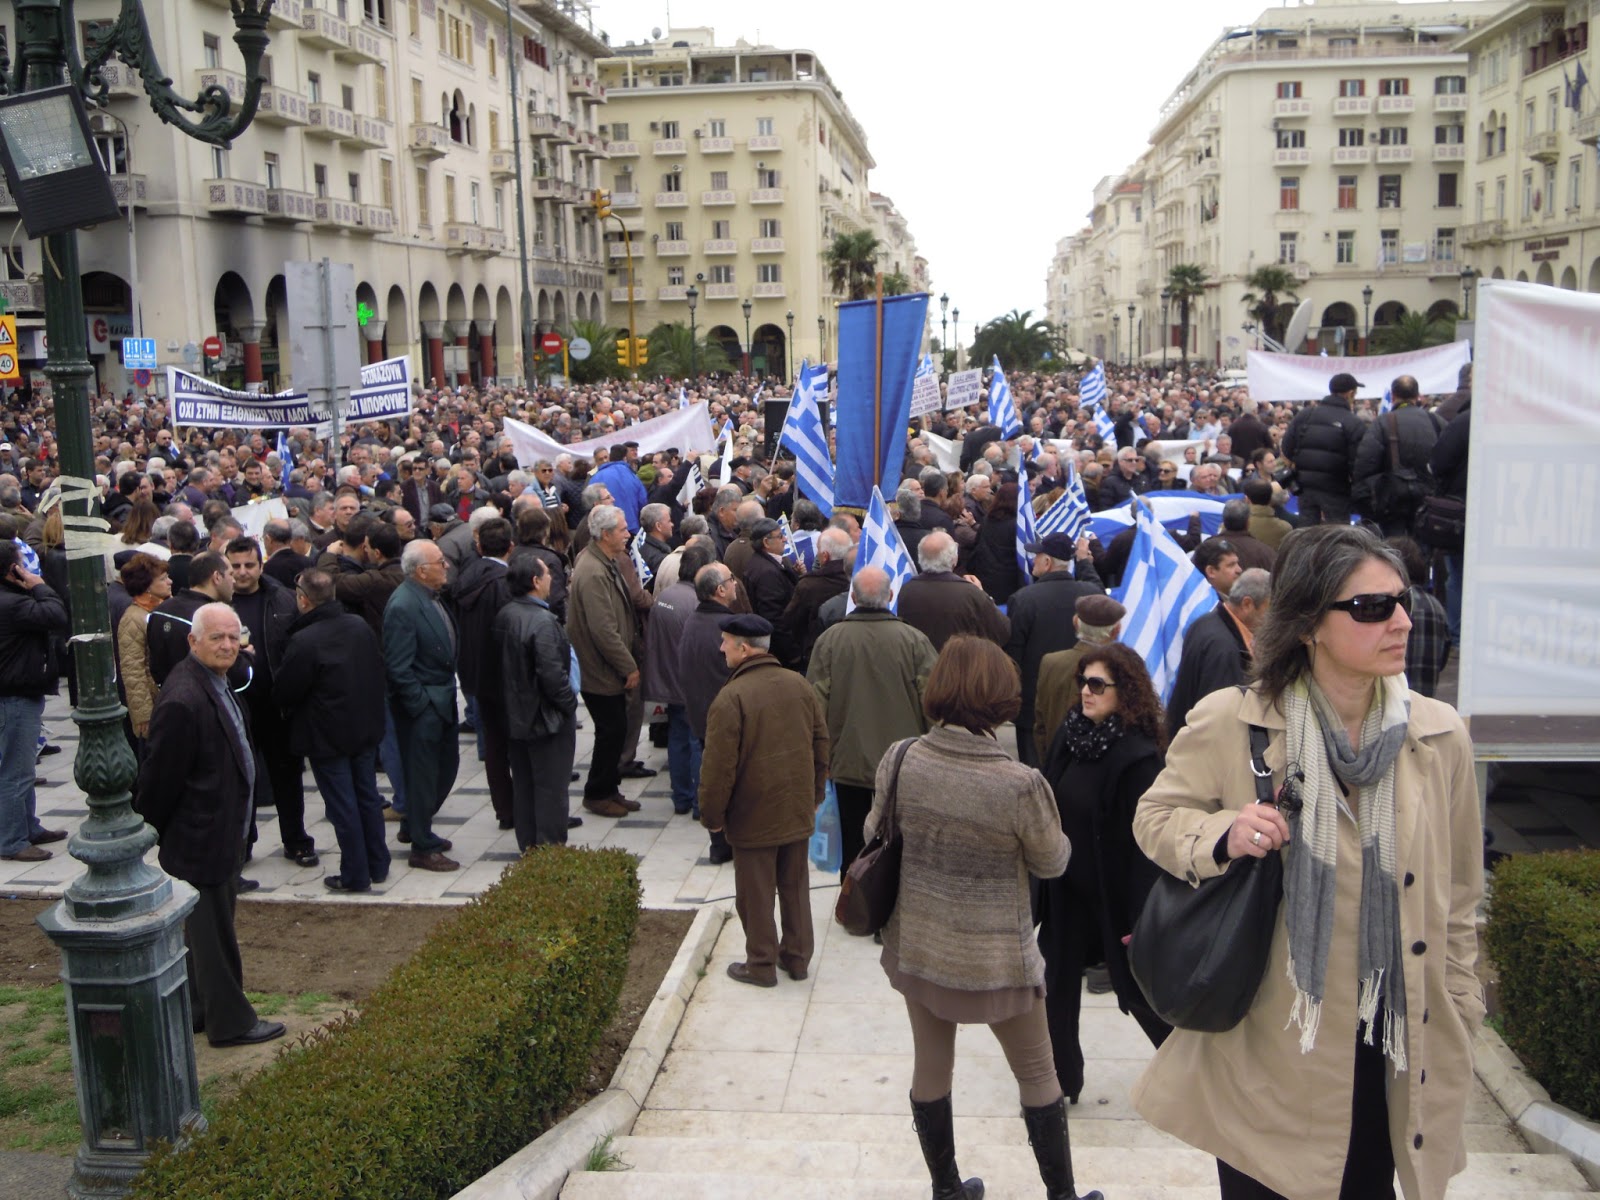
[989, 134]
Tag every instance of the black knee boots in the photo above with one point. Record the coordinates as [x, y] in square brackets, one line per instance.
[936, 1131]
[1047, 1134]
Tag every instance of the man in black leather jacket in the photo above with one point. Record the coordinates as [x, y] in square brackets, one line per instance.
[1322, 442]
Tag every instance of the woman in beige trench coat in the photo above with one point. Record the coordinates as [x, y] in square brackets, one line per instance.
[1338, 1077]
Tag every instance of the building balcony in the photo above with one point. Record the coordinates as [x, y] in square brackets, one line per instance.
[1483, 233]
[619, 295]
[672, 292]
[1352, 106]
[502, 165]
[585, 86]
[624, 199]
[566, 134]
[668, 146]
[429, 141]
[1209, 168]
[721, 291]
[672, 199]
[1449, 102]
[623, 149]
[1545, 147]
[1392, 106]
[285, 14]
[600, 148]
[372, 133]
[1588, 128]
[771, 195]
[20, 293]
[239, 197]
[322, 29]
[544, 187]
[328, 213]
[716, 145]
[375, 219]
[289, 207]
[1450, 152]
[570, 194]
[543, 125]
[280, 106]
[463, 237]
[1393, 154]
[665, 249]
[585, 142]
[768, 291]
[631, 249]
[720, 197]
[766, 245]
[494, 242]
[1299, 107]
[720, 246]
[1351, 156]
[122, 81]
[129, 189]
[765, 143]
[363, 44]
[331, 121]
[1290, 156]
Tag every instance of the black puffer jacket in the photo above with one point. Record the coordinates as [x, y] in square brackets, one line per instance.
[324, 685]
[29, 619]
[1418, 429]
[1322, 443]
[1449, 457]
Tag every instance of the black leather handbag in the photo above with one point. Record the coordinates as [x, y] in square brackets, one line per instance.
[1198, 953]
[871, 884]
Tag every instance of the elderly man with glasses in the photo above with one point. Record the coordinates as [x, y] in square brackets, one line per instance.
[1130, 476]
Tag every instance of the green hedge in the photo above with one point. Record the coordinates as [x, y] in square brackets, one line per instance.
[459, 1060]
[1544, 939]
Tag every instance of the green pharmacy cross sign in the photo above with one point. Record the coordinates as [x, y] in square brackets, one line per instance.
[364, 313]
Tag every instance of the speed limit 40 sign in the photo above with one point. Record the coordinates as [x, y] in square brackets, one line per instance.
[10, 367]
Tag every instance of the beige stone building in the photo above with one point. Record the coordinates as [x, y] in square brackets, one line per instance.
[734, 167]
[383, 139]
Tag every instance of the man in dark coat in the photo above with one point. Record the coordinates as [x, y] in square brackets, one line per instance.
[1041, 619]
[1217, 647]
[1130, 477]
[1322, 441]
[701, 668]
[674, 605]
[480, 593]
[420, 491]
[283, 563]
[770, 582]
[420, 643]
[801, 622]
[195, 786]
[32, 615]
[325, 685]
[941, 603]
[1391, 496]
[1448, 462]
[656, 521]
[167, 633]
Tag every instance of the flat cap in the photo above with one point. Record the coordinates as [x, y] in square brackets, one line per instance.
[745, 625]
[1099, 610]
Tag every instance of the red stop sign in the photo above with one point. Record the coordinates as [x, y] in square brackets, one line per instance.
[212, 347]
[550, 343]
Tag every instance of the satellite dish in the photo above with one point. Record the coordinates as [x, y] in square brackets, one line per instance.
[656, 33]
[1298, 324]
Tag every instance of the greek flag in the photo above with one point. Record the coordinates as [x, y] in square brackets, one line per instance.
[285, 459]
[1027, 532]
[925, 367]
[1069, 514]
[798, 548]
[1034, 451]
[1386, 405]
[1093, 388]
[1164, 593]
[881, 547]
[804, 435]
[726, 472]
[693, 482]
[683, 396]
[639, 565]
[1105, 426]
[1002, 410]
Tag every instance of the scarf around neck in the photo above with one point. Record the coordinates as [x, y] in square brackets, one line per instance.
[1088, 741]
[1319, 748]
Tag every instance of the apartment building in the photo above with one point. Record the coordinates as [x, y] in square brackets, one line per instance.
[1329, 139]
[733, 167]
[383, 139]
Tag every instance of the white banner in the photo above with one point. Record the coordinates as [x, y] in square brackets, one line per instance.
[925, 396]
[384, 395]
[687, 430]
[1530, 612]
[946, 451]
[966, 387]
[1275, 377]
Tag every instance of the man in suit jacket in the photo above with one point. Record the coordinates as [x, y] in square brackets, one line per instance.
[419, 656]
[194, 788]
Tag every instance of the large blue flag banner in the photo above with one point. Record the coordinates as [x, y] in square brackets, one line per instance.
[903, 320]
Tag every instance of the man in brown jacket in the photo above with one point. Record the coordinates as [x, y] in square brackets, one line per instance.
[761, 780]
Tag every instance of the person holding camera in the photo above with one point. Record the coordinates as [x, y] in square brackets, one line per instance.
[30, 612]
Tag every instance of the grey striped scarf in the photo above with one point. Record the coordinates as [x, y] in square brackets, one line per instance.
[1318, 745]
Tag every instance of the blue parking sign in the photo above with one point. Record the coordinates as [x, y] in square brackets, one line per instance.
[139, 354]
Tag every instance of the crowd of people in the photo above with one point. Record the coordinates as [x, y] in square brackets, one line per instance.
[424, 585]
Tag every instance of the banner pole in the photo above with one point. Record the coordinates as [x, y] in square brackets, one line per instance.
[877, 389]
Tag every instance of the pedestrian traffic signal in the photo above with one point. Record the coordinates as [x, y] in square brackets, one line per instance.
[602, 204]
[641, 352]
[624, 354]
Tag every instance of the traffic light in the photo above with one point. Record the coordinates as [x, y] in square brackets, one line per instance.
[624, 357]
[602, 204]
[641, 352]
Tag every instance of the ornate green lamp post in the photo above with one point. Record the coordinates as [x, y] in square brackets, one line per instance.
[120, 925]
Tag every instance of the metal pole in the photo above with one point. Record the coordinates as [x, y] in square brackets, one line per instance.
[334, 404]
[522, 220]
[877, 389]
[627, 252]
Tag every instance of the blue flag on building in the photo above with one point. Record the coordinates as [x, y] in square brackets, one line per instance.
[807, 440]
[1164, 593]
[881, 547]
[1002, 409]
[1578, 84]
[1093, 388]
[903, 320]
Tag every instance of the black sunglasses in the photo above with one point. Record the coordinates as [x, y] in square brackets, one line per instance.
[1097, 687]
[1373, 607]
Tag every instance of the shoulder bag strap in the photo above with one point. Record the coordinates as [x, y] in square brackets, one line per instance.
[887, 825]
[1394, 440]
[1258, 765]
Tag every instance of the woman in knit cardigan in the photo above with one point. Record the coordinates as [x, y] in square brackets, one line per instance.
[960, 946]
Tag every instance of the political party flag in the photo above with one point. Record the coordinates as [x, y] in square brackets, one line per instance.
[904, 317]
[1002, 409]
[1069, 514]
[1164, 593]
[635, 553]
[1027, 533]
[804, 435]
[1093, 388]
[693, 483]
[881, 547]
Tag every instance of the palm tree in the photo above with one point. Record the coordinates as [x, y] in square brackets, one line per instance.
[670, 355]
[1020, 342]
[1413, 331]
[1185, 282]
[602, 361]
[852, 262]
[896, 284]
[1267, 286]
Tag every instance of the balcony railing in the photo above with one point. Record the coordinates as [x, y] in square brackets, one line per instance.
[1352, 106]
[1545, 147]
[1299, 107]
[335, 214]
[543, 125]
[502, 164]
[767, 195]
[1393, 154]
[376, 219]
[239, 196]
[1290, 156]
[1450, 102]
[623, 149]
[1588, 128]
[673, 291]
[624, 199]
[372, 133]
[664, 146]
[289, 206]
[721, 291]
[674, 249]
[331, 121]
[1449, 152]
[1351, 156]
[429, 141]
[363, 44]
[322, 29]
[1483, 232]
[1396, 105]
[462, 237]
[672, 199]
[768, 291]
[619, 250]
[127, 187]
[545, 187]
[718, 197]
[720, 246]
[716, 145]
[766, 245]
[766, 143]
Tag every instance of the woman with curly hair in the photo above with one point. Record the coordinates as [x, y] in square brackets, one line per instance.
[1105, 756]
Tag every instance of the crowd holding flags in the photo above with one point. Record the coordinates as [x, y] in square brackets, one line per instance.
[1069, 514]
[881, 547]
[1164, 593]
[1027, 530]
[1092, 391]
[693, 483]
[635, 552]
[799, 548]
[1002, 409]
[285, 459]
[806, 438]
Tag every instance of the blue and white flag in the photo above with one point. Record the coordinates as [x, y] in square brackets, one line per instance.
[881, 547]
[1105, 426]
[798, 548]
[1164, 593]
[1027, 532]
[1386, 405]
[1034, 451]
[639, 565]
[807, 439]
[1093, 388]
[693, 484]
[1002, 409]
[1069, 514]
[725, 475]
[925, 367]
[285, 459]
[683, 396]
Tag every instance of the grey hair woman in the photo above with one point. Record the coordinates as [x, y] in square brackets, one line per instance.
[1370, 989]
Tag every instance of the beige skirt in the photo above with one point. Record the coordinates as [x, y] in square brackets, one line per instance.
[963, 1007]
